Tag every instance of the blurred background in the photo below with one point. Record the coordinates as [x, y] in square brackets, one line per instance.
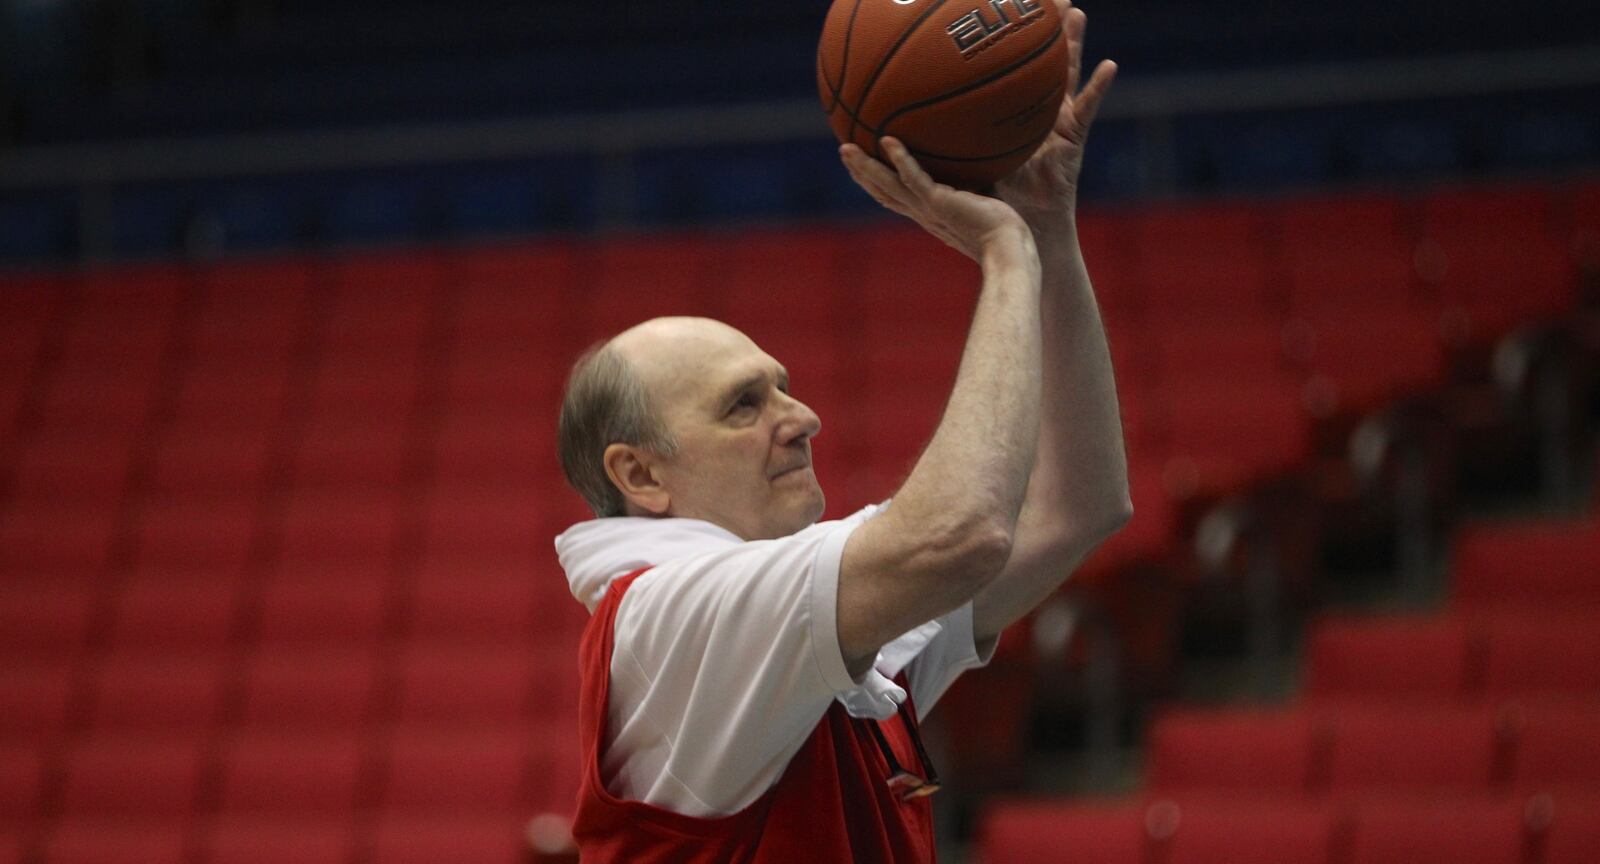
[288, 290]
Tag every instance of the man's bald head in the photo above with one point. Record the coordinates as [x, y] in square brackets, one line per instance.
[618, 389]
[689, 417]
[669, 356]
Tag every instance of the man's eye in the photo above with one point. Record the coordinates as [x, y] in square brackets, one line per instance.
[745, 401]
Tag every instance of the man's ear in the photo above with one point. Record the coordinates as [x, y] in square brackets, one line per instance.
[632, 471]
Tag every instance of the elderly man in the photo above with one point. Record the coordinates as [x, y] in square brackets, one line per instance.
[753, 678]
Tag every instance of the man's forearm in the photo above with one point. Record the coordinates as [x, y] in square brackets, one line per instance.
[1082, 466]
[1078, 491]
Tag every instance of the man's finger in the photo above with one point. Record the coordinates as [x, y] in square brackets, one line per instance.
[1087, 104]
[1074, 26]
[911, 174]
[874, 176]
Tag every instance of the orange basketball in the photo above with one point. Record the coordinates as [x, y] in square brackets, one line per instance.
[971, 86]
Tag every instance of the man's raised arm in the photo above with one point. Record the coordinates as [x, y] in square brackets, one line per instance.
[1078, 492]
[951, 527]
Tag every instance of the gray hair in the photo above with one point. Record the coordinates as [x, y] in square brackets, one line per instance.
[605, 403]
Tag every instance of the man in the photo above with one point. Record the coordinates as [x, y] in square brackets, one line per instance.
[752, 680]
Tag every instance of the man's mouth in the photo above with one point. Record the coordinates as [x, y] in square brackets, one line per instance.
[791, 469]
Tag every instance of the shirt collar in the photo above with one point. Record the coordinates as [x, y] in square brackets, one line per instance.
[597, 552]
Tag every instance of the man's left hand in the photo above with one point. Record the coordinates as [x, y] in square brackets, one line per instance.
[1045, 189]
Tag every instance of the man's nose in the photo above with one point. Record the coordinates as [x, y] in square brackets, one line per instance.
[799, 422]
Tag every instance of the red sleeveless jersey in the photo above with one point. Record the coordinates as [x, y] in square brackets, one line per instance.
[833, 803]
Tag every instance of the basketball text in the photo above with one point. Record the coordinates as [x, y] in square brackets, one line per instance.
[976, 30]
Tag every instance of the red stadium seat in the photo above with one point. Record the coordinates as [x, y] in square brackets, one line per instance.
[1222, 436]
[185, 536]
[1574, 830]
[64, 468]
[466, 602]
[1398, 658]
[1405, 748]
[1470, 831]
[464, 838]
[1586, 226]
[497, 519]
[494, 379]
[906, 275]
[55, 542]
[515, 449]
[1061, 832]
[1558, 748]
[1551, 654]
[509, 292]
[374, 384]
[251, 308]
[455, 772]
[27, 307]
[126, 311]
[456, 688]
[1346, 253]
[99, 841]
[1242, 750]
[309, 689]
[34, 699]
[500, 278]
[163, 612]
[267, 840]
[112, 402]
[556, 767]
[383, 300]
[241, 396]
[1202, 263]
[788, 278]
[21, 780]
[1245, 348]
[1543, 563]
[309, 605]
[350, 451]
[633, 279]
[151, 780]
[340, 527]
[1368, 358]
[1250, 832]
[291, 775]
[44, 619]
[1496, 254]
[177, 695]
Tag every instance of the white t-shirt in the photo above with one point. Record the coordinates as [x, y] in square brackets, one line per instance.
[727, 655]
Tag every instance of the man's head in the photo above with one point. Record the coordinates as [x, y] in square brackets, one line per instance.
[687, 417]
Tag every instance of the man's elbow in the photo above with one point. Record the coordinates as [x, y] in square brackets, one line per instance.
[1116, 517]
[1095, 525]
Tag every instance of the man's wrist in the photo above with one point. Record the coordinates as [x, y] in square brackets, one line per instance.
[1010, 248]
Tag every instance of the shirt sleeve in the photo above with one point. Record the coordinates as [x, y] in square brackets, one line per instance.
[947, 655]
[723, 664]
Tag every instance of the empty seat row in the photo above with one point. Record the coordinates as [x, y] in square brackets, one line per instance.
[1375, 830]
[1346, 748]
[1456, 657]
[271, 689]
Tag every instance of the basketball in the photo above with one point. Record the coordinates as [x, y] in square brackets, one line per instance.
[972, 86]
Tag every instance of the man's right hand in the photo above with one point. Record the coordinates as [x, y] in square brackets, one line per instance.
[969, 222]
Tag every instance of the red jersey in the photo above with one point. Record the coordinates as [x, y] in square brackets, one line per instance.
[833, 803]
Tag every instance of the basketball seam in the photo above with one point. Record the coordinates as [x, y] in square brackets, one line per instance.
[991, 78]
[844, 62]
[1033, 142]
[889, 55]
[916, 152]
